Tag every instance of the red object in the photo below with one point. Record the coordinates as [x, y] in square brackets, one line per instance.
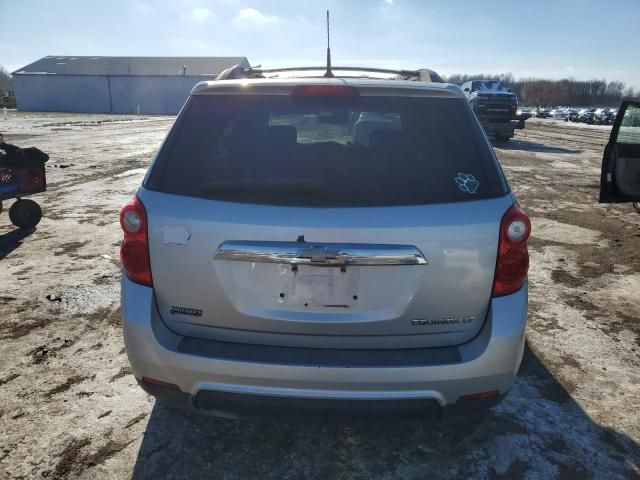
[335, 90]
[479, 396]
[160, 383]
[25, 180]
[134, 252]
[512, 263]
[31, 179]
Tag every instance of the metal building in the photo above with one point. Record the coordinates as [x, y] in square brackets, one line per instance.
[154, 85]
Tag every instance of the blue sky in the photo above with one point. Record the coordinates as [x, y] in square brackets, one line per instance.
[552, 39]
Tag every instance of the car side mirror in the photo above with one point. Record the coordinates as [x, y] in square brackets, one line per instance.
[466, 89]
[509, 90]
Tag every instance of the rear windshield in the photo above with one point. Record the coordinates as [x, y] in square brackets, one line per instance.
[489, 85]
[312, 151]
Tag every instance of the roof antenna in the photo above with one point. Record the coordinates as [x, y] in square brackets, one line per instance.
[328, 73]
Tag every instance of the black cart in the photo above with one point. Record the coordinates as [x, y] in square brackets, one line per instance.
[21, 181]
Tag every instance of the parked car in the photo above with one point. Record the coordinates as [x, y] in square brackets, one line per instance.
[585, 115]
[572, 114]
[495, 106]
[604, 116]
[523, 114]
[620, 177]
[543, 112]
[560, 113]
[575, 114]
[279, 261]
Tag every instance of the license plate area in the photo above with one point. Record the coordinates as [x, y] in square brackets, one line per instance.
[307, 293]
[308, 287]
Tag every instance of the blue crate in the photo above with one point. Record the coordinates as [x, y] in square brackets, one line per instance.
[11, 187]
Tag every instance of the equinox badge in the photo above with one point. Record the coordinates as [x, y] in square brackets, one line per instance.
[442, 321]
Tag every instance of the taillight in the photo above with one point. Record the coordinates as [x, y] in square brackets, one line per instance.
[335, 90]
[512, 263]
[134, 252]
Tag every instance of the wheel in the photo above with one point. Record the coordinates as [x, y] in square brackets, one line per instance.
[636, 205]
[0, 207]
[25, 214]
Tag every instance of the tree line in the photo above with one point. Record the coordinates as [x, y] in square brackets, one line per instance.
[5, 80]
[568, 91]
[530, 91]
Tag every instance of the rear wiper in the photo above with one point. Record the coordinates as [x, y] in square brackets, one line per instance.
[286, 186]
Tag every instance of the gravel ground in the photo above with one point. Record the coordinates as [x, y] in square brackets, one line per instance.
[70, 408]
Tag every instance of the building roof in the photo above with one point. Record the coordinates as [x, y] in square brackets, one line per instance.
[68, 65]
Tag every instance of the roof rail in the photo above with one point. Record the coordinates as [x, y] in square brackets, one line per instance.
[422, 75]
[235, 72]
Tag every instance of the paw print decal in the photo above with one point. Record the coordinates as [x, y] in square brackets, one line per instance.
[467, 182]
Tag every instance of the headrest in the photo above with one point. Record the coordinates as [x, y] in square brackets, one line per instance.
[362, 130]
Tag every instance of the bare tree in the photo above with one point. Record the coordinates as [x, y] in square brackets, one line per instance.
[630, 94]
[5, 80]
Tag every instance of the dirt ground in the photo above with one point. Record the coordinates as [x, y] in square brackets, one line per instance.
[70, 408]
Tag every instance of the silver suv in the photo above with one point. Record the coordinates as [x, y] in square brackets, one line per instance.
[325, 246]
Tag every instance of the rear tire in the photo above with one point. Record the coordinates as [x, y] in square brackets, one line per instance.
[25, 214]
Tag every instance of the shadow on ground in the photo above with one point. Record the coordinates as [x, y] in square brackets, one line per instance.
[526, 145]
[11, 240]
[537, 432]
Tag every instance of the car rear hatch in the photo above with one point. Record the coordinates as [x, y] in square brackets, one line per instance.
[325, 218]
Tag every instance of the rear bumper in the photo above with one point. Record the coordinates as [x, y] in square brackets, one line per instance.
[281, 408]
[504, 126]
[232, 387]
